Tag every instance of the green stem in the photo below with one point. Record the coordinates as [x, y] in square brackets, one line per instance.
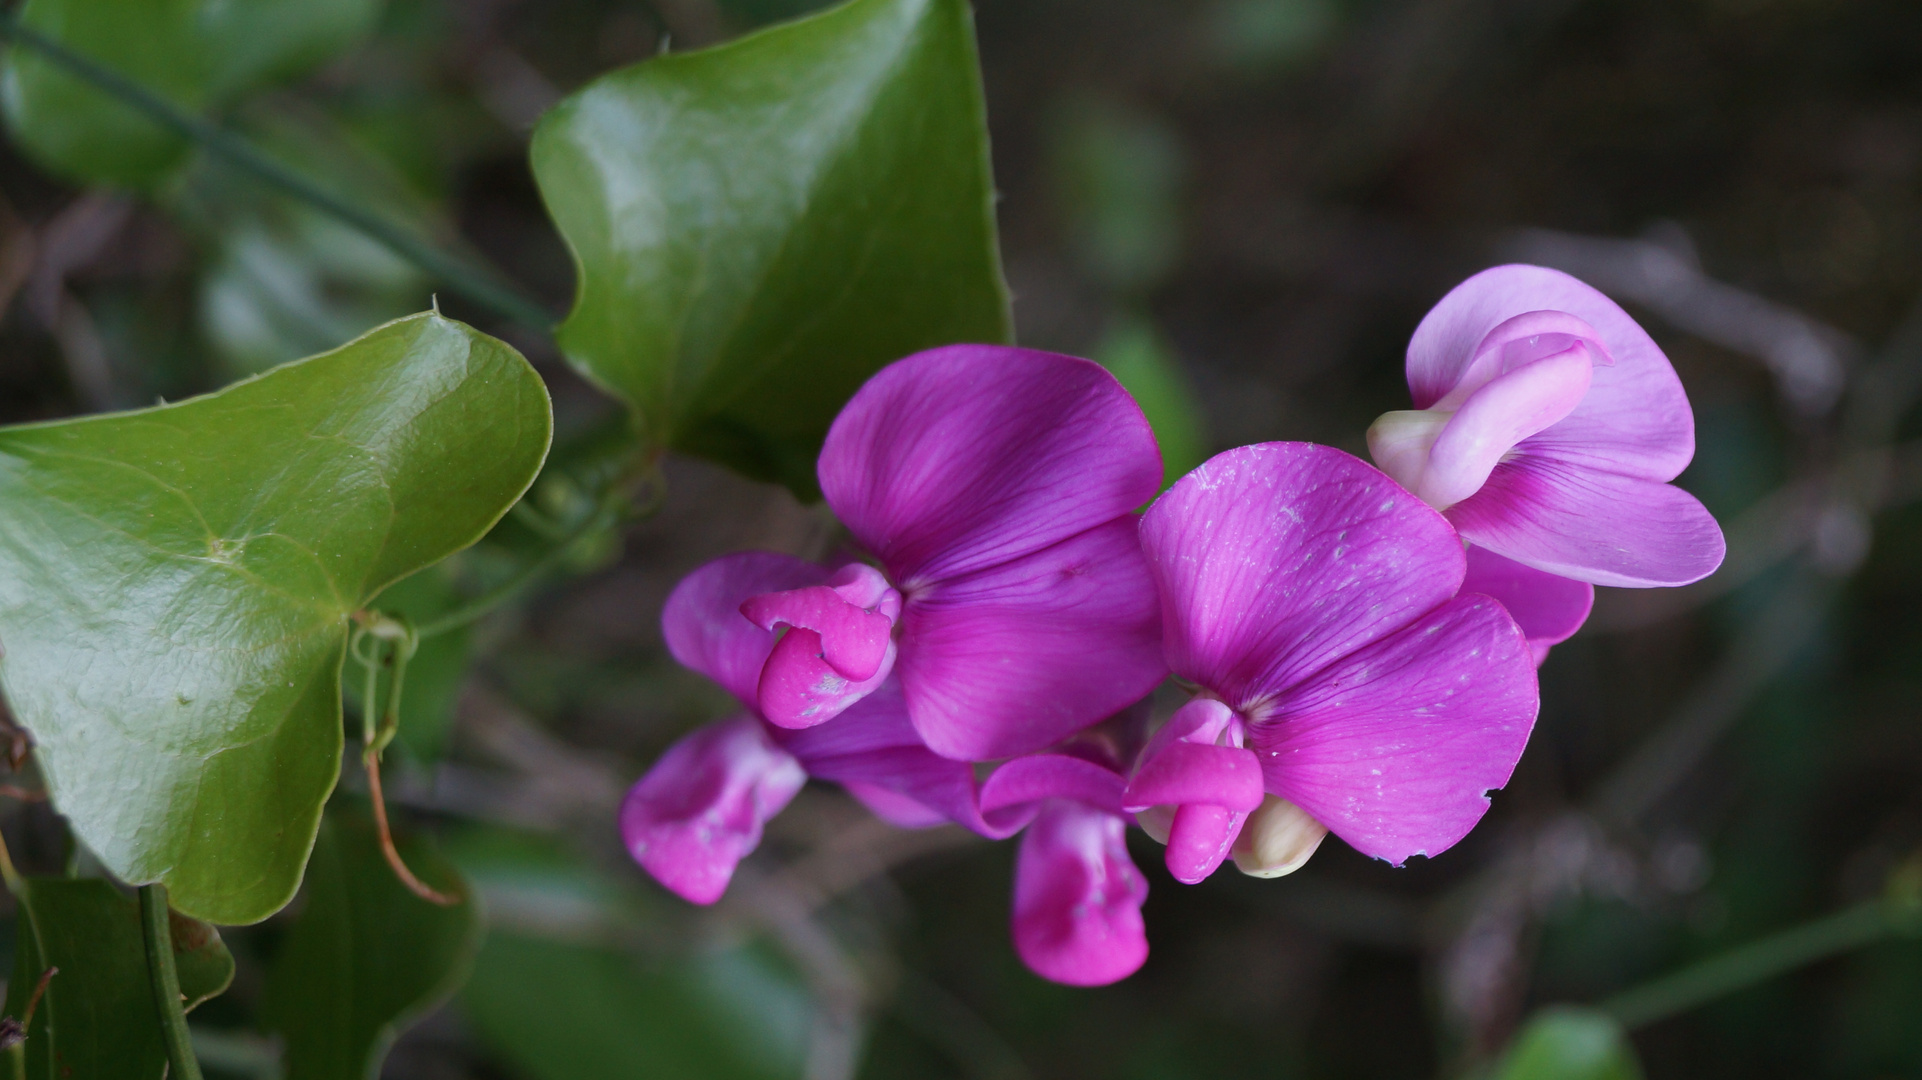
[469, 281]
[1749, 964]
[532, 572]
[181, 1063]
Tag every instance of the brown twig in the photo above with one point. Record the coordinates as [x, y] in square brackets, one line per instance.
[414, 885]
[14, 1032]
[23, 794]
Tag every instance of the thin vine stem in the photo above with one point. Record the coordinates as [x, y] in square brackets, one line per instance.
[472, 282]
[1744, 966]
[165, 980]
[599, 518]
[387, 849]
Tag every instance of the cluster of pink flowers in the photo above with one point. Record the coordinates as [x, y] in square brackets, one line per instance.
[1361, 642]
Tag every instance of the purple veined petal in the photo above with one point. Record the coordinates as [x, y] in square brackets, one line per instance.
[801, 689]
[1016, 657]
[853, 614]
[705, 629]
[1395, 747]
[1200, 839]
[1077, 898]
[874, 752]
[1274, 560]
[1193, 759]
[1549, 609]
[1598, 527]
[699, 811]
[1503, 412]
[961, 458]
[1635, 418]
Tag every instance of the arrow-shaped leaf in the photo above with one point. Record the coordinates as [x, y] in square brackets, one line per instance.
[761, 226]
[176, 587]
[98, 1016]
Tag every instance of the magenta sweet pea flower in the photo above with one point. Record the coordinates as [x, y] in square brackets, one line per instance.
[1547, 426]
[995, 488]
[1077, 892]
[1344, 685]
[700, 810]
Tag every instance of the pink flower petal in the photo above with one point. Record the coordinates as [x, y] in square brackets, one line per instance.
[1184, 773]
[705, 629]
[961, 458]
[698, 812]
[1078, 897]
[1200, 839]
[1395, 746]
[1635, 418]
[874, 752]
[1036, 778]
[1274, 560]
[1599, 527]
[1503, 412]
[1010, 659]
[853, 614]
[1549, 609]
[800, 688]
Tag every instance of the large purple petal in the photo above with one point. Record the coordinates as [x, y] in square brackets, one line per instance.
[1078, 897]
[1010, 659]
[705, 629]
[1274, 560]
[698, 812]
[1635, 418]
[1598, 527]
[1036, 778]
[964, 457]
[1396, 746]
[873, 748]
[1548, 608]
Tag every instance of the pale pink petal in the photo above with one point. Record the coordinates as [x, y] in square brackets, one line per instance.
[960, 458]
[874, 752]
[1598, 527]
[1395, 747]
[705, 629]
[1010, 659]
[698, 812]
[1522, 340]
[1077, 898]
[1274, 560]
[1635, 418]
[1507, 410]
[1548, 608]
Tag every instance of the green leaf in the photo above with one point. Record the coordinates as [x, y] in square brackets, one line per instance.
[759, 227]
[577, 981]
[98, 1016]
[1139, 357]
[176, 587]
[198, 54]
[366, 957]
[1570, 1044]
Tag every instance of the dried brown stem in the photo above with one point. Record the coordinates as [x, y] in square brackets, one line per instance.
[414, 885]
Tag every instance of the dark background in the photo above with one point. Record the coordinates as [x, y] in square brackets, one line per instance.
[1270, 192]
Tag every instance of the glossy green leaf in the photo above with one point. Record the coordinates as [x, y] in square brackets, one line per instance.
[1140, 358]
[759, 227]
[1570, 1044]
[365, 958]
[577, 982]
[98, 1016]
[196, 53]
[176, 587]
